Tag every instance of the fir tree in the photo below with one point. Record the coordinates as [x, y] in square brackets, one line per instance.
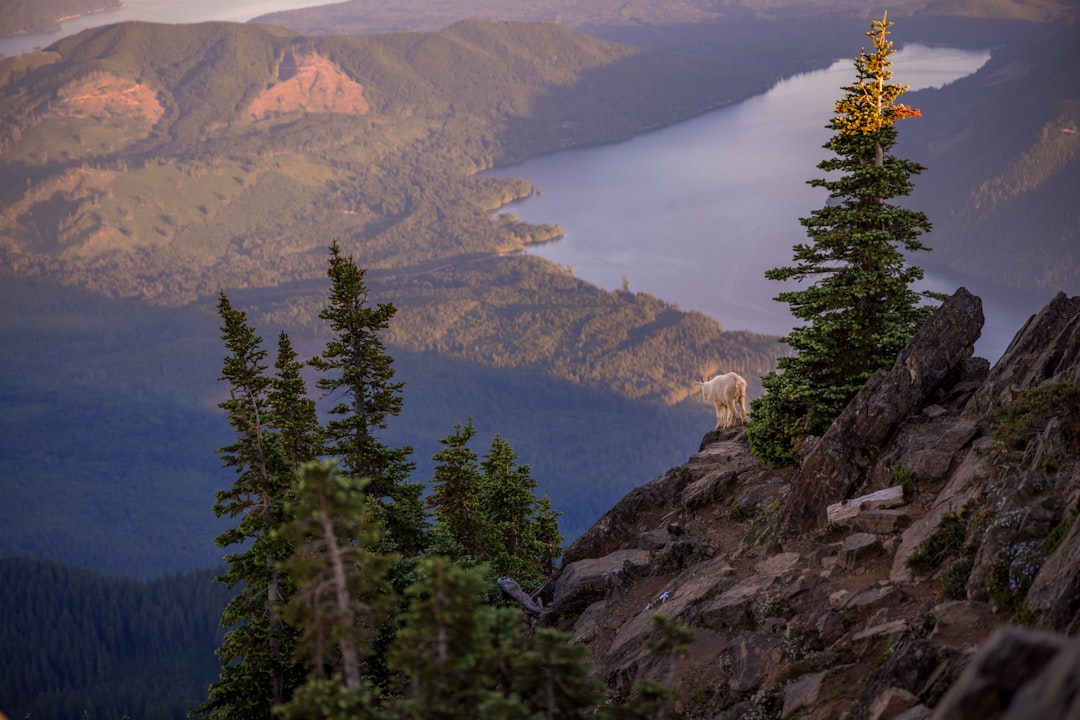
[455, 499]
[342, 593]
[490, 510]
[258, 670]
[357, 371]
[445, 643]
[294, 413]
[521, 533]
[860, 309]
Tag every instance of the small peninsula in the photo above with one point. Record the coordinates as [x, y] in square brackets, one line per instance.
[23, 17]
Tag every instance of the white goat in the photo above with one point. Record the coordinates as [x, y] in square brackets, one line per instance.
[726, 392]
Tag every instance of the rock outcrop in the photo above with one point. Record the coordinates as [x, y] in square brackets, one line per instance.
[877, 614]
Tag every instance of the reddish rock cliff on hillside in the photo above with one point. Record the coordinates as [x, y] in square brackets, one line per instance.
[309, 82]
[879, 614]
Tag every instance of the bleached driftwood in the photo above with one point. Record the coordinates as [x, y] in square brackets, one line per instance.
[846, 509]
[511, 588]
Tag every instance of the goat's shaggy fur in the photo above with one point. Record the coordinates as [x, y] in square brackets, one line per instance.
[727, 392]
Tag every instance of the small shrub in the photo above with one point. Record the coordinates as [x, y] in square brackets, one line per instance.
[905, 479]
[954, 579]
[944, 542]
[1012, 573]
[1029, 412]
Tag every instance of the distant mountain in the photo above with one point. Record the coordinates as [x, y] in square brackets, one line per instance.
[21, 17]
[1002, 148]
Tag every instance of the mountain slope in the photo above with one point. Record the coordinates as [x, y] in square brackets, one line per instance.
[77, 641]
[1003, 158]
[938, 507]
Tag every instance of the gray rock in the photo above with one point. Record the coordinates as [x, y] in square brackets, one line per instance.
[882, 522]
[802, 692]
[891, 703]
[753, 655]
[1054, 595]
[858, 548]
[1055, 693]
[1046, 348]
[835, 465]
[913, 666]
[1009, 659]
[586, 581]
[963, 623]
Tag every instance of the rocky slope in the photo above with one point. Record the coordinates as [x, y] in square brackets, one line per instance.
[920, 562]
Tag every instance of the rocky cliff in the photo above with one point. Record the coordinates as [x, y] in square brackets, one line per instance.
[920, 562]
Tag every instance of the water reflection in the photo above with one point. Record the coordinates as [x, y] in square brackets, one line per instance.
[697, 212]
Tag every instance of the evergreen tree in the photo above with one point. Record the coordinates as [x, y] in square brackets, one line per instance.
[467, 659]
[294, 414]
[490, 510]
[342, 593]
[357, 370]
[521, 533]
[860, 310]
[258, 669]
[444, 643]
[552, 677]
[455, 499]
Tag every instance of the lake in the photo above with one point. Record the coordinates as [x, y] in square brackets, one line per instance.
[163, 11]
[695, 213]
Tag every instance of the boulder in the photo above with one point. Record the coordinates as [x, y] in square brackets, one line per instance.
[1055, 693]
[803, 692]
[836, 464]
[858, 548]
[1009, 659]
[753, 656]
[586, 581]
[963, 623]
[1046, 348]
[1054, 595]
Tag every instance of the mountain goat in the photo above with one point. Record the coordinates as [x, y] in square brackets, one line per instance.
[726, 392]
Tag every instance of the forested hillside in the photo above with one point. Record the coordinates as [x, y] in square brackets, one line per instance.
[1009, 136]
[148, 165]
[78, 641]
[19, 17]
[1000, 148]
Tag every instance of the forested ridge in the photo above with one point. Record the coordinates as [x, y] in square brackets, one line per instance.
[76, 640]
[19, 17]
[1010, 136]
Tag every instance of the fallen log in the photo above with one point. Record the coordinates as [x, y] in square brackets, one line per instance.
[890, 497]
[511, 588]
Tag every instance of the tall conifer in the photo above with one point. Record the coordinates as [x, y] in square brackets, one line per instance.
[258, 668]
[342, 591]
[294, 413]
[861, 310]
[358, 373]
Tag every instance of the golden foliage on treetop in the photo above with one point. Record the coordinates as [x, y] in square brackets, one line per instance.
[870, 104]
